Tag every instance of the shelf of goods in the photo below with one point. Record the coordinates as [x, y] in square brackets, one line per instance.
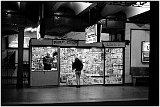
[113, 65]
[92, 72]
[37, 57]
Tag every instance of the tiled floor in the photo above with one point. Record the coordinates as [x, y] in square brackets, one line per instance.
[58, 95]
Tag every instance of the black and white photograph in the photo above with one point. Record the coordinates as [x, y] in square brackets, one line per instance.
[79, 53]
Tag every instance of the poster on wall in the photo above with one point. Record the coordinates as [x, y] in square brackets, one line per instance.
[145, 51]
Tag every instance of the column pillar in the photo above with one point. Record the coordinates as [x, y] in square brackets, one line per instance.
[20, 57]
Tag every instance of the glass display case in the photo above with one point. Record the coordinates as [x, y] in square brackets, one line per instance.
[93, 64]
[113, 65]
[44, 59]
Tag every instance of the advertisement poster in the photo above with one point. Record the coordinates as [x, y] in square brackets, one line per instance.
[145, 51]
[91, 34]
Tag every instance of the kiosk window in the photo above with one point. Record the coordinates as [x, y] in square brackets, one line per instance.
[44, 58]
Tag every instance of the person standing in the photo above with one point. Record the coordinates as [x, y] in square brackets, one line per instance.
[77, 66]
[47, 62]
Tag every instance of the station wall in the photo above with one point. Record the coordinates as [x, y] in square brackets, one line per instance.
[135, 33]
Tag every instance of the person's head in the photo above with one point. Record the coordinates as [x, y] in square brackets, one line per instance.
[48, 54]
[76, 59]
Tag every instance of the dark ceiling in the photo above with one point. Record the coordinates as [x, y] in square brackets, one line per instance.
[59, 17]
[143, 18]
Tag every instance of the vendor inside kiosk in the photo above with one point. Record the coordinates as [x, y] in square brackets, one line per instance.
[44, 66]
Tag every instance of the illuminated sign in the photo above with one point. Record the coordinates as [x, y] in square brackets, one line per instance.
[145, 51]
[146, 46]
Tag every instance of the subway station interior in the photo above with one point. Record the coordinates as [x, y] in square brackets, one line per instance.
[111, 38]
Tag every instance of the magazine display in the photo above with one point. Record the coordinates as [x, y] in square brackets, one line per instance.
[93, 64]
[113, 65]
[92, 72]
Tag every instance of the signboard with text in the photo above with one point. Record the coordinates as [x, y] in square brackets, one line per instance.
[51, 42]
[64, 42]
[145, 51]
[91, 34]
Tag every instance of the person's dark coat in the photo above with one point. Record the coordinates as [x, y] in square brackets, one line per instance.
[46, 62]
[77, 65]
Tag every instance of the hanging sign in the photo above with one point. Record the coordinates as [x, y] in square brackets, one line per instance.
[91, 34]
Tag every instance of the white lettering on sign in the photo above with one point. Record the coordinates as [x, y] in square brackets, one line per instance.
[146, 46]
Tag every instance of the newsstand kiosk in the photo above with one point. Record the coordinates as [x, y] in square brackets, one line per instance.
[103, 62]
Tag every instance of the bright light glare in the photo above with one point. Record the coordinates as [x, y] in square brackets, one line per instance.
[80, 6]
[30, 29]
